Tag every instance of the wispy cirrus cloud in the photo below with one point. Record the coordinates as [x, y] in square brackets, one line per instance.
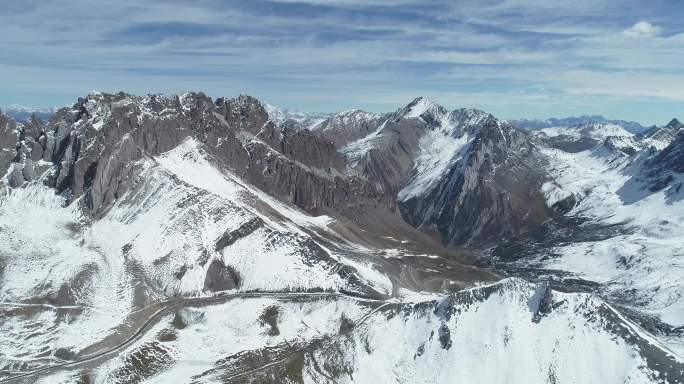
[514, 57]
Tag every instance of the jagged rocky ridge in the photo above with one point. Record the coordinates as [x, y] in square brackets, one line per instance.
[93, 144]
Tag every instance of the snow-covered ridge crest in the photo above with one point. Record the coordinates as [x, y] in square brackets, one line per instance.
[353, 116]
[661, 137]
[436, 118]
[25, 109]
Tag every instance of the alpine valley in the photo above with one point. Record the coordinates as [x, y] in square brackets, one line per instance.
[185, 239]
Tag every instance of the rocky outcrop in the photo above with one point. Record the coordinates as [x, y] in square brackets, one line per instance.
[8, 141]
[220, 277]
[244, 230]
[21, 147]
[541, 302]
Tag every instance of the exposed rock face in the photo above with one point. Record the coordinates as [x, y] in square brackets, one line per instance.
[660, 137]
[22, 146]
[348, 126]
[672, 156]
[492, 193]
[220, 277]
[463, 176]
[94, 144]
[353, 165]
[390, 158]
[660, 168]
[8, 141]
[231, 237]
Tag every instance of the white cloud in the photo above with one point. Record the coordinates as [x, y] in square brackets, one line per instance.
[513, 56]
[643, 29]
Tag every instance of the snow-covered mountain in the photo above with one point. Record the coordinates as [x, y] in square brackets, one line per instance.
[22, 113]
[304, 119]
[537, 124]
[184, 239]
[661, 137]
[446, 166]
[621, 231]
[347, 126]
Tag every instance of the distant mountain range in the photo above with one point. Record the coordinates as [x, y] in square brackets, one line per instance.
[307, 119]
[312, 119]
[534, 124]
[21, 113]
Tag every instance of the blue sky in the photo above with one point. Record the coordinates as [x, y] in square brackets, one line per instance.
[514, 58]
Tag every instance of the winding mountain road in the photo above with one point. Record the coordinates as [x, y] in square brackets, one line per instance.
[171, 305]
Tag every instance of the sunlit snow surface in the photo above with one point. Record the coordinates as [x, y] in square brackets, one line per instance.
[648, 259]
[43, 251]
[440, 148]
[490, 338]
[594, 131]
[67, 281]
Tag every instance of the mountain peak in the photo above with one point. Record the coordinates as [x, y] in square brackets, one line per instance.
[674, 123]
[420, 106]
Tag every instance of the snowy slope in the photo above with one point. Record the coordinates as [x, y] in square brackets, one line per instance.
[487, 335]
[440, 147]
[491, 334]
[160, 240]
[641, 262]
[69, 293]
